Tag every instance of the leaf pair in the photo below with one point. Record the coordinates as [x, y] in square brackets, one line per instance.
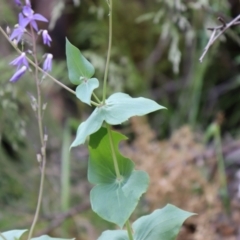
[80, 72]
[118, 108]
[162, 224]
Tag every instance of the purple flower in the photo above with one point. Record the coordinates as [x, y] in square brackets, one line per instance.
[20, 60]
[18, 2]
[18, 74]
[46, 38]
[20, 29]
[28, 3]
[47, 64]
[31, 17]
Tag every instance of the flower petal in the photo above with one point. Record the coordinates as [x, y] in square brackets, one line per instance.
[18, 74]
[39, 17]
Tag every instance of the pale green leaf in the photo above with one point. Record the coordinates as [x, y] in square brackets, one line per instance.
[85, 89]
[46, 237]
[79, 68]
[163, 223]
[114, 235]
[118, 108]
[13, 234]
[91, 125]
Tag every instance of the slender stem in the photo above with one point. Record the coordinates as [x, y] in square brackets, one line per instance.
[39, 103]
[129, 230]
[95, 96]
[2, 236]
[36, 66]
[40, 194]
[65, 168]
[43, 143]
[221, 169]
[116, 167]
[94, 104]
[109, 52]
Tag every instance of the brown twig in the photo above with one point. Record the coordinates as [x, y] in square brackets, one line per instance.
[217, 32]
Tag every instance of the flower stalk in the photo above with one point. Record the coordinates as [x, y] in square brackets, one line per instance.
[42, 140]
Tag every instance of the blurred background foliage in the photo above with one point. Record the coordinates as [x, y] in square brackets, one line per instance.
[156, 49]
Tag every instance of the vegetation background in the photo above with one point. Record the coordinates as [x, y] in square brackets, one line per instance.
[156, 49]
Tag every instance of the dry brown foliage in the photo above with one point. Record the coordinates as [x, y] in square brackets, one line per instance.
[179, 175]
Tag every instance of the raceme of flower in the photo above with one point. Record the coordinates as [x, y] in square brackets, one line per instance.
[47, 64]
[20, 61]
[31, 18]
[20, 29]
[46, 38]
[18, 74]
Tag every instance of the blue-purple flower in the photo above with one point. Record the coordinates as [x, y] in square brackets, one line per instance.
[20, 61]
[46, 38]
[28, 3]
[31, 18]
[18, 2]
[18, 74]
[47, 64]
[20, 29]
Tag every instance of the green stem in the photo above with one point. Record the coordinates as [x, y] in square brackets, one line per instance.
[1, 235]
[116, 167]
[221, 168]
[109, 52]
[43, 142]
[95, 96]
[94, 104]
[36, 66]
[129, 230]
[40, 194]
[65, 169]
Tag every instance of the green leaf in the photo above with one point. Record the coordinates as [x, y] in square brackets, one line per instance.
[163, 223]
[85, 89]
[79, 68]
[13, 234]
[119, 107]
[112, 199]
[46, 237]
[91, 125]
[114, 235]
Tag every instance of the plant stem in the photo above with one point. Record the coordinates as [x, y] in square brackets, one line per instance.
[129, 230]
[95, 96]
[65, 169]
[94, 104]
[43, 142]
[36, 66]
[221, 169]
[109, 52]
[116, 167]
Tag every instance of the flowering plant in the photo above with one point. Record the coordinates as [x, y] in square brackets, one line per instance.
[118, 186]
